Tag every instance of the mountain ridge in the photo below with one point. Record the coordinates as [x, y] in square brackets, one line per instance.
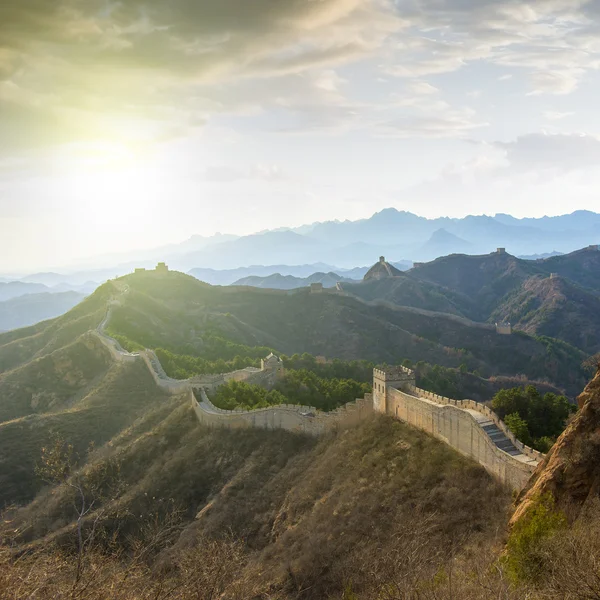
[557, 296]
[399, 235]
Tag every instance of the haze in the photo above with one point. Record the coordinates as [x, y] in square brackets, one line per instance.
[133, 124]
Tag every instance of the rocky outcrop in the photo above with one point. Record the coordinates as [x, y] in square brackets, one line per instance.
[571, 470]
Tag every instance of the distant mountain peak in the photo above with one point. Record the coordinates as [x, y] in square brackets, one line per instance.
[382, 270]
[443, 235]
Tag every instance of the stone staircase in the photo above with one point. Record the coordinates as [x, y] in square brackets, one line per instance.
[499, 438]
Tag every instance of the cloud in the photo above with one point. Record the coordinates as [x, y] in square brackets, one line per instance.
[451, 124]
[554, 83]
[530, 174]
[141, 71]
[554, 42]
[555, 152]
[107, 63]
[524, 165]
[423, 113]
[228, 174]
[555, 115]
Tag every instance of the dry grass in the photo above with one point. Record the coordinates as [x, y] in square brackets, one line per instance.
[306, 518]
[381, 512]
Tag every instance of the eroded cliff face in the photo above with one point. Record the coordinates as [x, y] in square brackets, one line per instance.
[571, 470]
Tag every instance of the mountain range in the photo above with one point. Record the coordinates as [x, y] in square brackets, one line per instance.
[32, 308]
[289, 282]
[154, 478]
[337, 245]
[398, 235]
[557, 296]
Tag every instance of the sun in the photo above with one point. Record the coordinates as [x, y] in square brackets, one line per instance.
[117, 192]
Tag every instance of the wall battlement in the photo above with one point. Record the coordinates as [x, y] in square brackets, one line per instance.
[396, 373]
[292, 417]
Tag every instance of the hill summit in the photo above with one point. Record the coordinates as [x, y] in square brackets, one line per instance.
[382, 270]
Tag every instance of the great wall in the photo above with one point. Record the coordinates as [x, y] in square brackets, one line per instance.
[469, 427]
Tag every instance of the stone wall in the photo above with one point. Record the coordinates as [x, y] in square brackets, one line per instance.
[484, 410]
[116, 350]
[300, 419]
[460, 424]
[171, 386]
[253, 375]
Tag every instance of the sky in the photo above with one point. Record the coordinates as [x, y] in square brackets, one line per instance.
[136, 123]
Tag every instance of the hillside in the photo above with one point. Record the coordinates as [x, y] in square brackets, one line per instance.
[496, 287]
[305, 513]
[289, 282]
[382, 270]
[23, 345]
[554, 307]
[484, 279]
[33, 308]
[178, 313]
[288, 516]
[294, 507]
[581, 267]
[410, 291]
[569, 474]
[90, 412]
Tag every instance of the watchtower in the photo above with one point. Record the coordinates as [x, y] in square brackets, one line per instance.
[503, 328]
[272, 363]
[162, 268]
[389, 377]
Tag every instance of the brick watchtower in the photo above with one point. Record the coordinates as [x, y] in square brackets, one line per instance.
[395, 377]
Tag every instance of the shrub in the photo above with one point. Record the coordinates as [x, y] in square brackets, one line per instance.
[524, 559]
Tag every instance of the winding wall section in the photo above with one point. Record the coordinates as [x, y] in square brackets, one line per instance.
[468, 426]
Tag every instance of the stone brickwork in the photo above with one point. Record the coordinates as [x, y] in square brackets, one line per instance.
[399, 377]
[468, 426]
[291, 417]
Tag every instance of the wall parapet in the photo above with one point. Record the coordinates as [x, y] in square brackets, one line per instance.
[485, 410]
[292, 417]
[459, 426]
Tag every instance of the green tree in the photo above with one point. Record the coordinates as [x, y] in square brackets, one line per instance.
[545, 415]
[518, 427]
